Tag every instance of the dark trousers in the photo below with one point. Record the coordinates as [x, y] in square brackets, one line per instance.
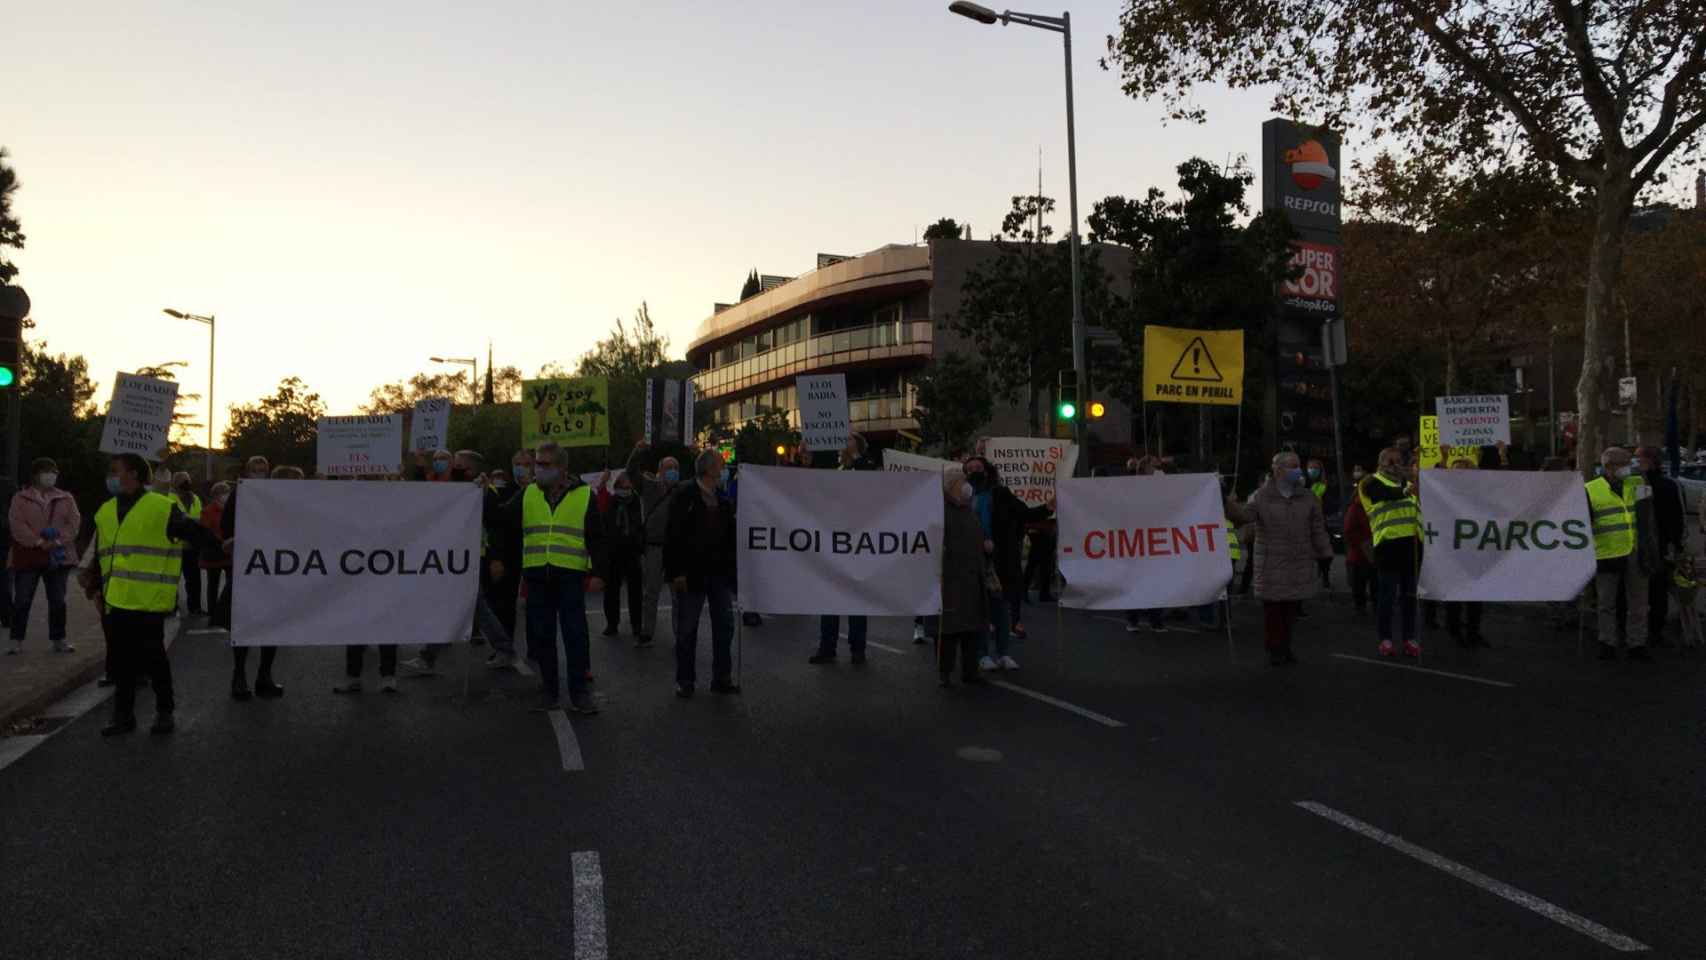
[719, 593]
[137, 643]
[829, 631]
[624, 570]
[1365, 584]
[1396, 593]
[1658, 602]
[501, 597]
[24, 594]
[192, 579]
[240, 663]
[214, 577]
[1456, 612]
[962, 645]
[353, 657]
[1039, 568]
[1278, 616]
[556, 599]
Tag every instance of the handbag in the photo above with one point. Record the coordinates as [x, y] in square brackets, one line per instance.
[991, 579]
[34, 558]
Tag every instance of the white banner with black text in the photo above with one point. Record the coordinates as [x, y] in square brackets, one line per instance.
[1504, 535]
[328, 563]
[839, 542]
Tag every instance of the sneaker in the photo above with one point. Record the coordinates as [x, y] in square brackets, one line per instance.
[822, 658]
[987, 663]
[163, 724]
[353, 685]
[1412, 649]
[499, 660]
[1160, 627]
[421, 667]
[1387, 649]
[64, 648]
[918, 633]
[684, 693]
[584, 704]
[1132, 627]
[643, 640]
[239, 687]
[267, 690]
[1008, 663]
[609, 631]
[14, 649]
[725, 688]
[388, 684]
[1019, 630]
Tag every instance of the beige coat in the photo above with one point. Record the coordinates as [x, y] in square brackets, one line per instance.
[1290, 536]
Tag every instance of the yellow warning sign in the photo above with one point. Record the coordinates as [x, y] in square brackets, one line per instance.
[1193, 366]
[1428, 450]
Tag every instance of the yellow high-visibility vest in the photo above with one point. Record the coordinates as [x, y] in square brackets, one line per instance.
[1391, 519]
[140, 566]
[554, 538]
[1232, 545]
[1613, 517]
[1319, 488]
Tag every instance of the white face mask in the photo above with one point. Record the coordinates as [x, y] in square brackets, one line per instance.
[965, 493]
[1624, 472]
[47, 480]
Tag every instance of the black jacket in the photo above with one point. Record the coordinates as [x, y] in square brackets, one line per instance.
[687, 551]
[1667, 511]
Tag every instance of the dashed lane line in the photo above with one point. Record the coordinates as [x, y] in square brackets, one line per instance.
[1437, 673]
[589, 907]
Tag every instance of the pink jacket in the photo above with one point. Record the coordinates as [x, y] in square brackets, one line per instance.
[29, 516]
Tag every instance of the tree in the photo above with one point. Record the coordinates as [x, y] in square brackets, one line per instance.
[401, 396]
[57, 419]
[752, 286]
[11, 232]
[1605, 95]
[954, 401]
[757, 439]
[1016, 308]
[946, 228]
[626, 358]
[280, 427]
[185, 410]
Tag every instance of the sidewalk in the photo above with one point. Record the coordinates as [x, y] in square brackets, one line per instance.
[33, 680]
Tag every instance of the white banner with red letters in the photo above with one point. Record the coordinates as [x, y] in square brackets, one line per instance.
[1142, 543]
[839, 542]
[326, 563]
[1030, 466]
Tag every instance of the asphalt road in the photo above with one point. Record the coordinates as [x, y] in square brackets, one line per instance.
[860, 812]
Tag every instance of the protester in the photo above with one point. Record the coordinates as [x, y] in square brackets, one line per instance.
[44, 523]
[852, 457]
[1463, 617]
[556, 522]
[1627, 553]
[1290, 534]
[265, 687]
[1136, 620]
[463, 466]
[699, 560]
[214, 563]
[503, 554]
[1686, 585]
[1318, 489]
[1670, 530]
[654, 490]
[625, 546]
[1003, 517]
[1394, 540]
[1359, 564]
[966, 604]
[183, 491]
[135, 533]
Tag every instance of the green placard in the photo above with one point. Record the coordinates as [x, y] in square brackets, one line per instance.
[573, 411]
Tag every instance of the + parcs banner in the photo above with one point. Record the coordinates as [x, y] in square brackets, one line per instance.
[1504, 535]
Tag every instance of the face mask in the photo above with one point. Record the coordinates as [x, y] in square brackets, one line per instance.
[498, 483]
[521, 473]
[548, 476]
[965, 491]
[1314, 473]
[1357, 476]
[1294, 476]
[1623, 472]
[220, 500]
[47, 480]
[672, 475]
[723, 478]
[441, 466]
[112, 485]
[257, 474]
[623, 493]
[1599, 469]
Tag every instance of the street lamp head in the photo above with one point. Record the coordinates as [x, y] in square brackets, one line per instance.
[437, 359]
[175, 313]
[974, 11]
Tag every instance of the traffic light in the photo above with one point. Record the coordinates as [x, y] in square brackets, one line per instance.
[1096, 409]
[11, 330]
[1066, 390]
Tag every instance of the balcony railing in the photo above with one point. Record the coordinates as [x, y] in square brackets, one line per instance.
[867, 414]
[911, 338]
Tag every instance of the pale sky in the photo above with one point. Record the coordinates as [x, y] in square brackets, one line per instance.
[354, 187]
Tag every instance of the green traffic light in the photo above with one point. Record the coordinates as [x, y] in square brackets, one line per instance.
[6, 376]
[1068, 411]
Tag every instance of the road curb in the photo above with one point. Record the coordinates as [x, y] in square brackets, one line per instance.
[49, 696]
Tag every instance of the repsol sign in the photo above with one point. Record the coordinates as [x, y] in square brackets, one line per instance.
[358, 562]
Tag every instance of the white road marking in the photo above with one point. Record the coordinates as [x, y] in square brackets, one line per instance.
[74, 705]
[1062, 704]
[206, 632]
[568, 747]
[884, 646]
[1550, 911]
[1437, 673]
[589, 907]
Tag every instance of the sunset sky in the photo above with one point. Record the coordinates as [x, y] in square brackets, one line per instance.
[354, 187]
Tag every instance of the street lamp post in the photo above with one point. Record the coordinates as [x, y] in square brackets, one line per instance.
[472, 362]
[1063, 26]
[210, 338]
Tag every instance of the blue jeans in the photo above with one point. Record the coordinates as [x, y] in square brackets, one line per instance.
[829, 630]
[556, 599]
[24, 594]
[1395, 588]
[719, 591]
[994, 640]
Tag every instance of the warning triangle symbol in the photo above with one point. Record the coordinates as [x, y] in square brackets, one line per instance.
[1196, 364]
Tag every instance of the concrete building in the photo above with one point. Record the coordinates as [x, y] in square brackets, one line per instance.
[878, 318]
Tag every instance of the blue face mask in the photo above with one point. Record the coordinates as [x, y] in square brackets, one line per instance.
[112, 485]
[672, 475]
[547, 476]
[441, 466]
[1294, 477]
[1599, 469]
[723, 478]
[522, 473]
[1314, 473]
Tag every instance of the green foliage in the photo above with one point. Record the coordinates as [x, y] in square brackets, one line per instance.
[954, 401]
[491, 429]
[627, 358]
[946, 228]
[1016, 308]
[280, 427]
[11, 232]
[458, 386]
[752, 286]
[756, 440]
[57, 419]
[187, 409]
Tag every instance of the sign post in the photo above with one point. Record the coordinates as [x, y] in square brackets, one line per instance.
[139, 419]
[429, 428]
[824, 420]
[571, 411]
[1474, 421]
